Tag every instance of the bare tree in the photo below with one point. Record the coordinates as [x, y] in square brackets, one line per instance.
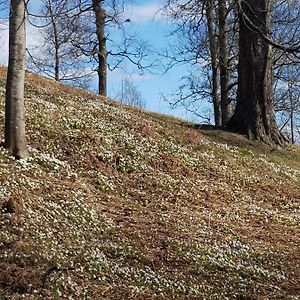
[287, 106]
[56, 57]
[226, 105]
[285, 29]
[129, 94]
[254, 114]
[15, 137]
[214, 23]
[98, 17]
[206, 38]
[213, 47]
[77, 35]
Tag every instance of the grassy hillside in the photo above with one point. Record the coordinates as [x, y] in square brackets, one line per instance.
[117, 203]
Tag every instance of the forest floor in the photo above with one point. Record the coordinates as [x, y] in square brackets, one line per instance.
[118, 203]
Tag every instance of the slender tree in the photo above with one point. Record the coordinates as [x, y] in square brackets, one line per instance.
[100, 16]
[205, 42]
[56, 57]
[213, 48]
[285, 28]
[226, 105]
[15, 138]
[129, 94]
[76, 37]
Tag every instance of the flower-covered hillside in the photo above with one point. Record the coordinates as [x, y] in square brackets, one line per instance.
[117, 203]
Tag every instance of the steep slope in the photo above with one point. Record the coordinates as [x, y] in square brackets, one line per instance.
[117, 203]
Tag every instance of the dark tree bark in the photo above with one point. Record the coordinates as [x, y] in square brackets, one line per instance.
[56, 43]
[102, 52]
[254, 113]
[213, 47]
[223, 61]
[15, 137]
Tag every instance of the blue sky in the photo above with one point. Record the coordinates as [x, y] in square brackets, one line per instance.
[150, 24]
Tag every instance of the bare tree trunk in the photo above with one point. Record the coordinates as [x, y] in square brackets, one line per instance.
[15, 137]
[214, 63]
[223, 61]
[102, 53]
[254, 114]
[292, 115]
[56, 42]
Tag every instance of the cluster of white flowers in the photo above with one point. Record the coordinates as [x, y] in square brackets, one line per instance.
[106, 191]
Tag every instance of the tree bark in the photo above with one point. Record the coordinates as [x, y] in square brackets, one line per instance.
[15, 137]
[292, 114]
[102, 53]
[56, 42]
[214, 64]
[254, 113]
[223, 61]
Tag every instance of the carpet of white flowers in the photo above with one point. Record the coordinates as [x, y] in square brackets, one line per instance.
[116, 203]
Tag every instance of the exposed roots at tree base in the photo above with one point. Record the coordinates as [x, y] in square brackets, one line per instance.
[272, 137]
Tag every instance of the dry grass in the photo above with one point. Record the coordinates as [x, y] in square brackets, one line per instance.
[116, 203]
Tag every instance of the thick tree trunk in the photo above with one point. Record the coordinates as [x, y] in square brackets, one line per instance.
[254, 114]
[102, 53]
[214, 63]
[226, 105]
[15, 138]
